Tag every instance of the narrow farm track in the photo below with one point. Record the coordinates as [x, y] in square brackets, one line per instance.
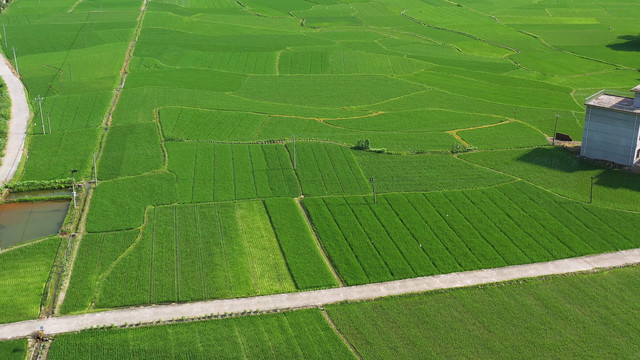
[156, 313]
[17, 124]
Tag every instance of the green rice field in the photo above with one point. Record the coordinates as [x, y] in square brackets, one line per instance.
[418, 234]
[294, 335]
[24, 272]
[13, 350]
[561, 317]
[199, 251]
[244, 148]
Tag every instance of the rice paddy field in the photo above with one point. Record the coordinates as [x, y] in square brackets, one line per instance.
[14, 350]
[263, 147]
[24, 272]
[294, 335]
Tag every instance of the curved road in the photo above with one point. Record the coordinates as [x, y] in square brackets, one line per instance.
[153, 313]
[17, 124]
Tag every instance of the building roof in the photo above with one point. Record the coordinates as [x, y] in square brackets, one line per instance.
[614, 102]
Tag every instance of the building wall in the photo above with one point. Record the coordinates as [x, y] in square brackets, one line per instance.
[610, 135]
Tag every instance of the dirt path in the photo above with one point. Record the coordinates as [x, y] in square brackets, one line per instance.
[17, 124]
[154, 313]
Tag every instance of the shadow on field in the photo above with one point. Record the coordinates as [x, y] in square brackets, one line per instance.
[563, 161]
[632, 43]
[617, 179]
[556, 158]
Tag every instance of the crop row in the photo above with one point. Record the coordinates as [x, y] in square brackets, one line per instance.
[328, 169]
[218, 172]
[345, 62]
[407, 235]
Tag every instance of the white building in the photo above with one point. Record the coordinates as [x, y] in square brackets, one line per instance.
[611, 128]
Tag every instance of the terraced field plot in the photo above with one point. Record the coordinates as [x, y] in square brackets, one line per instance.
[325, 169]
[193, 124]
[195, 252]
[120, 204]
[427, 172]
[408, 235]
[219, 172]
[511, 135]
[99, 252]
[191, 253]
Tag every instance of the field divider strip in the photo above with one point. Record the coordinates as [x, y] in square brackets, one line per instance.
[337, 331]
[177, 252]
[318, 298]
[202, 275]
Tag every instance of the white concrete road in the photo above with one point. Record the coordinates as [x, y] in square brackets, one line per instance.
[149, 314]
[17, 124]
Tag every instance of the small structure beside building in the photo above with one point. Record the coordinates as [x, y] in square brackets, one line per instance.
[612, 128]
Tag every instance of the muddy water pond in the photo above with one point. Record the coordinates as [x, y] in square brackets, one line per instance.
[21, 222]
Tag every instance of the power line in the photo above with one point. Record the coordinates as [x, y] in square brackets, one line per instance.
[39, 100]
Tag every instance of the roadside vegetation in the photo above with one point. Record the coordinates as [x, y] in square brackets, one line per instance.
[5, 115]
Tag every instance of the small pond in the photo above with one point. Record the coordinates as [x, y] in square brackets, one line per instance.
[21, 222]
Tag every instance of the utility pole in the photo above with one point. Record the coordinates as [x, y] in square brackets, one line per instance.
[73, 186]
[373, 185]
[39, 100]
[294, 151]
[591, 198]
[95, 169]
[555, 131]
[5, 36]
[15, 60]
[49, 121]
